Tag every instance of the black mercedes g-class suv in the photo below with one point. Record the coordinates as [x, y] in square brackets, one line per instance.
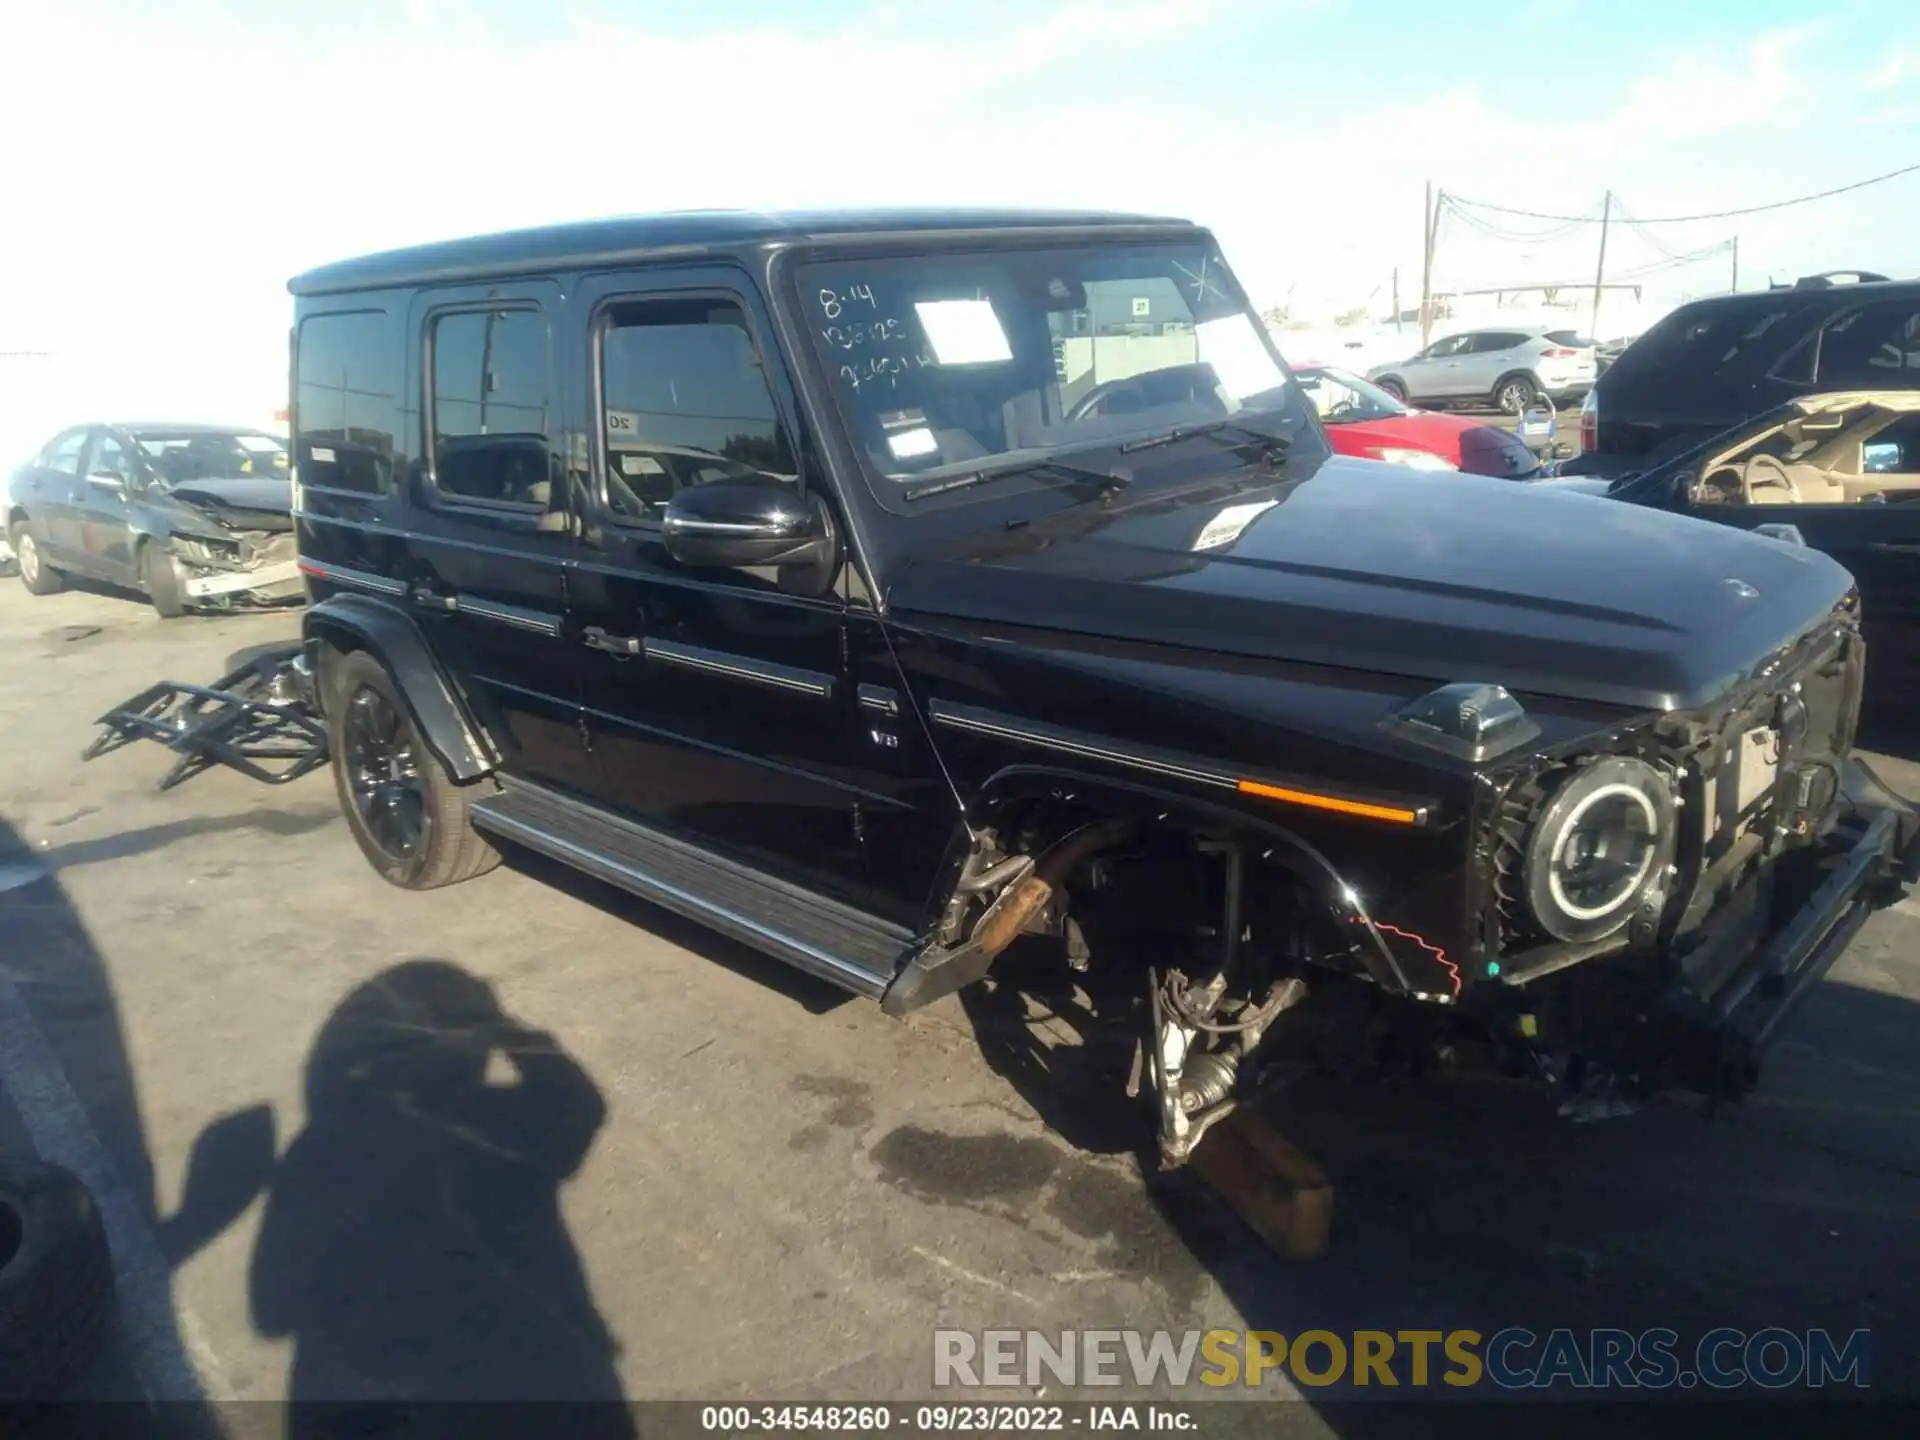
[881, 588]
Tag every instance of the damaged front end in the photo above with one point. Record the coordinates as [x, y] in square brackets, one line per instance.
[260, 719]
[1663, 947]
[234, 566]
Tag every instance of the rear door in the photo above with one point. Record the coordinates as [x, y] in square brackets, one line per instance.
[490, 526]
[1487, 357]
[49, 492]
[717, 699]
[102, 509]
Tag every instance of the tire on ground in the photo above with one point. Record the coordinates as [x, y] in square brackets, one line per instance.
[162, 580]
[56, 1282]
[1524, 390]
[39, 577]
[450, 849]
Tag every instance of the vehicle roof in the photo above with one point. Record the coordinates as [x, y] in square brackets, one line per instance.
[1813, 294]
[139, 428]
[1528, 329]
[622, 237]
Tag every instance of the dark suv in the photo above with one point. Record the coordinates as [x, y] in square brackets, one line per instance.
[880, 589]
[1717, 362]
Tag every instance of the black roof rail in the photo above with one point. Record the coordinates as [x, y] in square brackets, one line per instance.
[1827, 278]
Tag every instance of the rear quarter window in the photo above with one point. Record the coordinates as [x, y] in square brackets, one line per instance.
[346, 401]
[1714, 340]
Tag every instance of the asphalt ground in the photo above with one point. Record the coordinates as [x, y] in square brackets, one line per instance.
[675, 1169]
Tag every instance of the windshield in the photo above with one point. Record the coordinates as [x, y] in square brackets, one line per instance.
[1342, 399]
[212, 455]
[954, 363]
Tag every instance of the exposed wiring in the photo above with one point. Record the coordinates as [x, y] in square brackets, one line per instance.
[1453, 970]
[1454, 201]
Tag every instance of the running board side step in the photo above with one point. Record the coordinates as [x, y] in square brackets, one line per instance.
[835, 942]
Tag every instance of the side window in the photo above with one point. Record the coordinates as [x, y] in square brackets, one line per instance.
[1876, 346]
[63, 453]
[684, 401]
[1499, 340]
[1441, 349]
[493, 397]
[346, 401]
[109, 457]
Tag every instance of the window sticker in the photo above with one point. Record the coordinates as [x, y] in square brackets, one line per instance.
[963, 332]
[912, 444]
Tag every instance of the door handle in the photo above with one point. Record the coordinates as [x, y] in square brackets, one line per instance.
[597, 638]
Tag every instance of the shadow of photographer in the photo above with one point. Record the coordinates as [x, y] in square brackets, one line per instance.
[412, 1246]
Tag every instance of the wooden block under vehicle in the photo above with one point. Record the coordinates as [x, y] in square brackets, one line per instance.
[1274, 1187]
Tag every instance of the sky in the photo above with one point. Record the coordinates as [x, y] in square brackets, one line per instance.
[174, 163]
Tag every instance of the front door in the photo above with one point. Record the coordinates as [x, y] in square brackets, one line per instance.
[491, 524]
[717, 700]
[1435, 374]
[102, 509]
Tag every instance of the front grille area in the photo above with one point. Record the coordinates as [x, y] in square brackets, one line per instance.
[1762, 776]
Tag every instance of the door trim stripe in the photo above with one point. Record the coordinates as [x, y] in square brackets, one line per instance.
[361, 579]
[538, 621]
[759, 672]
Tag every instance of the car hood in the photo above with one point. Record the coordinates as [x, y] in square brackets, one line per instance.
[1471, 446]
[1377, 568]
[240, 503]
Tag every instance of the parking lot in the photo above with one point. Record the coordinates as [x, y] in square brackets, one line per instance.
[716, 1178]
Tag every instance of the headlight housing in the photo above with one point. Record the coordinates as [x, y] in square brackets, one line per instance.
[1599, 849]
[1415, 459]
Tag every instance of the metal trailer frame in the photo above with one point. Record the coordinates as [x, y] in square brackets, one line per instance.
[260, 719]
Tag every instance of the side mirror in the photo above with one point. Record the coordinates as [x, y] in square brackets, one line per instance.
[112, 484]
[747, 522]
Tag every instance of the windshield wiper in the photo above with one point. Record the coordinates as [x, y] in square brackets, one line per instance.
[1107, 482]
[1273, 445]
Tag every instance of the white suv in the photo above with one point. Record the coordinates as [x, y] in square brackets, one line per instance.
[1508, 369]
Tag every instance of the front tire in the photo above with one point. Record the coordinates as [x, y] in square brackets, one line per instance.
[1396, 388]
[161, 578]
[39, 577]
[409, 816]
[1515, 395]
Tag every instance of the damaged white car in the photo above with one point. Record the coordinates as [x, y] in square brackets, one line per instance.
[197, 517]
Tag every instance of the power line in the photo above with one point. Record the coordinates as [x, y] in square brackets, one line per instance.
[1455, 200]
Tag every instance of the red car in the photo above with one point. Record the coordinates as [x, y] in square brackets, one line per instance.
[1363, 420]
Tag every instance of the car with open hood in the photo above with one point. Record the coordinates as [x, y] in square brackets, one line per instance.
[199, 517]
[884, 589]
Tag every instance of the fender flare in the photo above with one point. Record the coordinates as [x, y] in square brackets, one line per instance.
[1028, 782]
[391, 636]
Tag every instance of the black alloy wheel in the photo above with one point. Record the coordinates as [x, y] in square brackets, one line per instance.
[384, 775]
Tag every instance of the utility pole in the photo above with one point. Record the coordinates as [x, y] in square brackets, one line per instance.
[1396, 299]
[1600, 270]
[1429, 231]
[1735, 243]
